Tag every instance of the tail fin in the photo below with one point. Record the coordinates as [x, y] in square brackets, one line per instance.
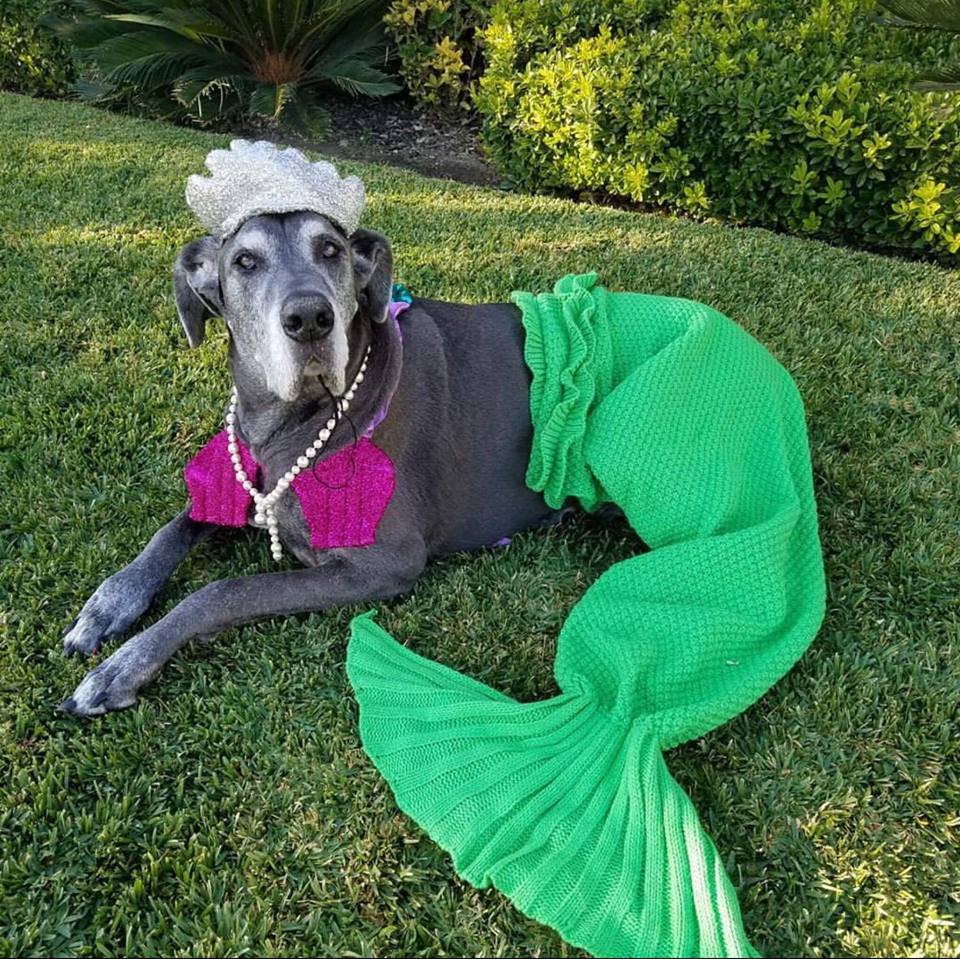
[569, 812]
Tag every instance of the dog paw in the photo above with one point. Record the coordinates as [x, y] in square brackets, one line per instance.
[112, 685]
[86, 633]
[111, 610]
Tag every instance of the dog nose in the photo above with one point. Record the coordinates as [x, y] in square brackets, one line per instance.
[306, 317]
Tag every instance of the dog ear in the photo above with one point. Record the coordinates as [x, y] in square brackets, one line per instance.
[372, 272]
[196, 286]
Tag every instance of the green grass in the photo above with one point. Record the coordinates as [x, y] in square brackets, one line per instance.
[232, 810]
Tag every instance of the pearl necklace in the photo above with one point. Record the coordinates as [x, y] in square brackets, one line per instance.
[264, 502]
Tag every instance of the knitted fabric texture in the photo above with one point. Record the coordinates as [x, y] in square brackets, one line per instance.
[343, 496]
[670, 410]
[215, 495]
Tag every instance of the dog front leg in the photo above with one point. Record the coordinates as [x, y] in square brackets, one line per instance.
[350, 576]
[121, 599]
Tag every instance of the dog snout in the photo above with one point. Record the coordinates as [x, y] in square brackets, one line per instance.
[307, 317]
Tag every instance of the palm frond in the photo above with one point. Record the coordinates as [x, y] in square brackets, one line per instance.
[304, 115]
[359, 79]
[117, 52]
[221, 95]
[269, 99]
[92, 91]
[247, 23]
[196, 83]
[84, 34]
[299, 25]
[149, 73]
[929, 14]
[357, 37]
[941, 79]
[187, 26]
[337, 20]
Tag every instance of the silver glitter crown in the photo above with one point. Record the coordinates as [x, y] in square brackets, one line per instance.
[254, 178]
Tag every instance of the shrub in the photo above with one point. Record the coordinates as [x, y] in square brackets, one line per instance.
[208, 60]
[437, 41]
[771, 112]
[31, 61]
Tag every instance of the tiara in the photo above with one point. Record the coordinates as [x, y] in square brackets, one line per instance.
[258, 177]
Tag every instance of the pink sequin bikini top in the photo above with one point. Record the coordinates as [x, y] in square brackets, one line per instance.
[343, 496]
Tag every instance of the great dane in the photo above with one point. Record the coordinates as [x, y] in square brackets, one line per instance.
[302, 302]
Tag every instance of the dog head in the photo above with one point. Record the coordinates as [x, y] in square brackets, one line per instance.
[293, 290]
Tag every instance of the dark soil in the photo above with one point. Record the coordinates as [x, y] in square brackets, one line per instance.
[393, 131]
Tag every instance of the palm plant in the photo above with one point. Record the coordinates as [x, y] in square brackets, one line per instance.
[928, 15]
[208, 59]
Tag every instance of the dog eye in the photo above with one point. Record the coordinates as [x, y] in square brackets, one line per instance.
[246, 261]
[329, 249]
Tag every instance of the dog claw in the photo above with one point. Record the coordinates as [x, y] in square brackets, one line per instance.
[84, 635]
[71, 707]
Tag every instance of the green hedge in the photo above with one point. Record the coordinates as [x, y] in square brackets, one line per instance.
[32, 60]
[437, 42]
[782, 113]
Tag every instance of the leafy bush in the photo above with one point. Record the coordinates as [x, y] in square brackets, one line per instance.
[437, 41]
[31, 61]
[208, 60]
[771, 112]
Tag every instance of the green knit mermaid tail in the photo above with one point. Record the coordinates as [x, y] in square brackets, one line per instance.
[677, 415]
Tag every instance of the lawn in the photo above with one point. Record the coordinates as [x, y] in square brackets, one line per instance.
[233, 810]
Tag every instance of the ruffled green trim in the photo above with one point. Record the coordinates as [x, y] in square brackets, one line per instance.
[567, 348]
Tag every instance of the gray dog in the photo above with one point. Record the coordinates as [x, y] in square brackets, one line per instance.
[302, 302]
